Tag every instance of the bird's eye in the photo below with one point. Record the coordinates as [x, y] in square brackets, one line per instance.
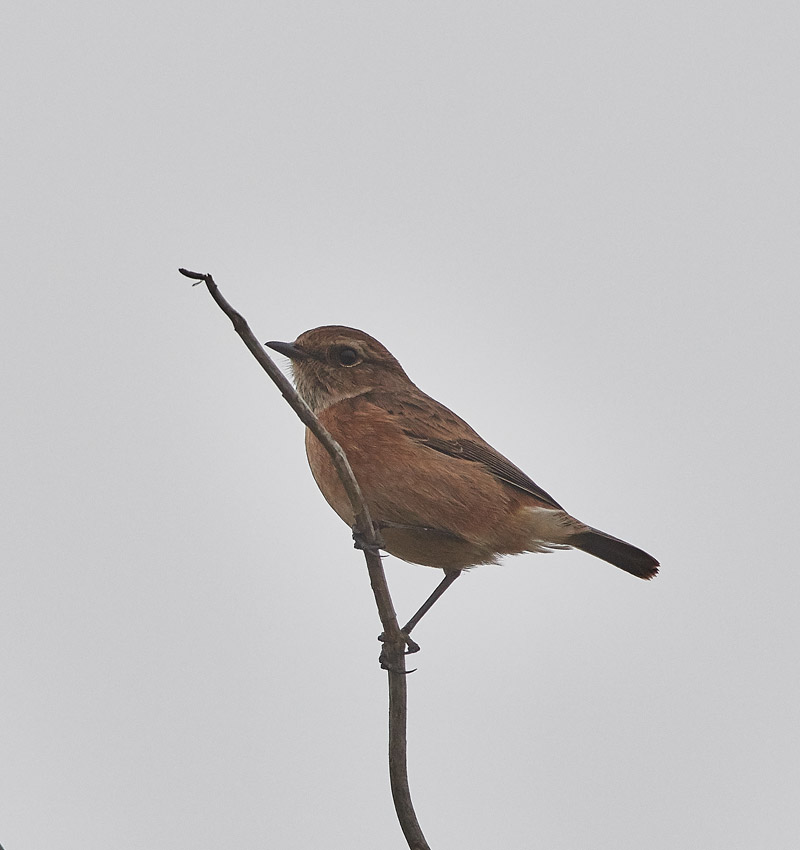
[347, 356]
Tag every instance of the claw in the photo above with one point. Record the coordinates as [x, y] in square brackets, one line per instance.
[387, 665]
[363, 546]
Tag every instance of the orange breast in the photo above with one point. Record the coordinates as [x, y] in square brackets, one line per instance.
[436, 510]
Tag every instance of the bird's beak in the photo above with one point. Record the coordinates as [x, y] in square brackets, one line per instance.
[289, 349]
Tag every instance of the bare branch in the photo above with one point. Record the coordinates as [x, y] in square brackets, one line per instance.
[394, 643]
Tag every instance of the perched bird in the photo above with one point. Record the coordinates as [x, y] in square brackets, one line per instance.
[439, 493]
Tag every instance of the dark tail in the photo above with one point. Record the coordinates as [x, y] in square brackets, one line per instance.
[616, 552]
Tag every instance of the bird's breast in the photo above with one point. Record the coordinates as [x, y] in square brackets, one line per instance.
[435, 509]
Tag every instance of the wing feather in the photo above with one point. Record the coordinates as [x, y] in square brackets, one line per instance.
[499, 466]
[430, 423]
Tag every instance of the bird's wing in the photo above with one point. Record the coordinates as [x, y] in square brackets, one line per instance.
[499, 466]
[430, 423]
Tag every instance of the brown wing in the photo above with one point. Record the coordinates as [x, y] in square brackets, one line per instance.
[430, 423]
[484, 454]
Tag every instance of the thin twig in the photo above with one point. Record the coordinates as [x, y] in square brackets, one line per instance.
[393, 654]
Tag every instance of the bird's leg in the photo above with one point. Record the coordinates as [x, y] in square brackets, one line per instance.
[449, 577]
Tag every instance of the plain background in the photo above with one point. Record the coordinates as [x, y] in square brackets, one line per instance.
[574, 223]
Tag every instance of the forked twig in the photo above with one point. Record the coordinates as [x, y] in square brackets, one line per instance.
[394, 644]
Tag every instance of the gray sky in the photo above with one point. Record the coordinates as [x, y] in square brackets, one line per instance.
[576, 224]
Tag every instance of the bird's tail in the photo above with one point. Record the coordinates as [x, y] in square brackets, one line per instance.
[616, 552]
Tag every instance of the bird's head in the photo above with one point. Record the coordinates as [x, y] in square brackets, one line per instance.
[334, 362]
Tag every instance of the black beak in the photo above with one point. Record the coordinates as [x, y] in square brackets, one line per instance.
[288, 349]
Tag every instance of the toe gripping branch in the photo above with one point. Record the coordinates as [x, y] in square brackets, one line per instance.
[360, 543]
[390, 659]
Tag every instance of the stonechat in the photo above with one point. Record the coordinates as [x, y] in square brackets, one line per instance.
[439, 494]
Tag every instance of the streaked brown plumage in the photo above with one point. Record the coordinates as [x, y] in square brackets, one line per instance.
[441, 495]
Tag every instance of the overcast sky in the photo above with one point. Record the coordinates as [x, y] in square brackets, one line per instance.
[576, 224]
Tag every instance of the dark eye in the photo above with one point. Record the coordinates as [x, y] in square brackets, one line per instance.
[347, 356]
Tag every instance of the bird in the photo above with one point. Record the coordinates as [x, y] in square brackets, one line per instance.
[439, 494]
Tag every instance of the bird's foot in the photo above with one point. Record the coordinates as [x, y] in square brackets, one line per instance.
[359, 542]
[393, 661]
[411, 645]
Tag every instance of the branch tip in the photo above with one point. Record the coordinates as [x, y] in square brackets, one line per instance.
[197, 277]
[193, 275]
